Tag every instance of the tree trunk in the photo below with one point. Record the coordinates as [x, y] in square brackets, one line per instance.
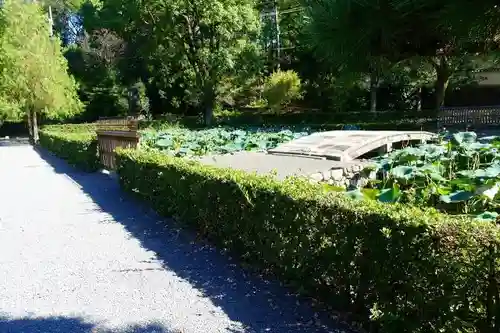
[133, 101]
[373, 91]
[30, 127]
[208, 111]
[208, 115]
[419, 99]
[442, 80]
[34, 122]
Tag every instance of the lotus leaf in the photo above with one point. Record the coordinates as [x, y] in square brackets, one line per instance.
[221, 140]
[355, 194]
[477, 146]
[489, 190]
[404, 172]
[464, 137]
[458, 196]
[488, 216]
[391, 194]
[493, 171]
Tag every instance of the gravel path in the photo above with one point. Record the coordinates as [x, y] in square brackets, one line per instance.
[78, 256]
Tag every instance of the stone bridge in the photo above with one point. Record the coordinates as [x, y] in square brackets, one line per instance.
[348, 145]
[323, 156]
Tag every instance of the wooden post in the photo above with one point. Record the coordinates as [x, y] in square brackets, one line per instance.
[113, 133]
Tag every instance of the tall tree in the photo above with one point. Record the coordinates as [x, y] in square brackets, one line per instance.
[339, 39]
[94, 60]
[205, 40]
[394, 31]
[211, 37]
[33, 71]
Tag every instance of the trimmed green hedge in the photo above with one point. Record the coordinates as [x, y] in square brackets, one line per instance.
[408, 120]
[317, 120]
[397, 268]
[78, 149]
[71, 128]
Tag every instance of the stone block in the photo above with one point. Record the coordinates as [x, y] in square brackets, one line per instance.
[318, 177]
[336, 174]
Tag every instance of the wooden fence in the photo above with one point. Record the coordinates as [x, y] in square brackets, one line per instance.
[475, 117]
[113, 133]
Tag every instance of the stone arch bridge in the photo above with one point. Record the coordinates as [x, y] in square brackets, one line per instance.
[322, 153]
[348, 145]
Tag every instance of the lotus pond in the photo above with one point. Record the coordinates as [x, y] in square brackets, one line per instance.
[182, 142]
[460, 174]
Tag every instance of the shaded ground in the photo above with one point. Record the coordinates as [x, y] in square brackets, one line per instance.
[79, 256]
[16, 141]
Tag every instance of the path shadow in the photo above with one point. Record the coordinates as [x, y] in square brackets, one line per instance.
[38, 325]
[260, 305]
[18, 141]
[69, 325]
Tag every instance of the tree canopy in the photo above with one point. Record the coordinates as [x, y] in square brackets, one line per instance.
[395, 31]
[33, 71]
[192, 46]
[193, 56]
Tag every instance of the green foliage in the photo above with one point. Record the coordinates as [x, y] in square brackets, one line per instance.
[394, 32]
[71, 128]
[184, 142]
[459, 175]
[400, 268]
[77, 148]
[94, 63]
[194, 56]
[281, 88]
[33, 71]
[404, 120]
[193, 45]
[142, 100]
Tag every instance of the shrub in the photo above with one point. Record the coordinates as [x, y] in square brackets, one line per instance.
[71, 128]
[78, 149]
[396, 267]
[281, 88]
[403, 120]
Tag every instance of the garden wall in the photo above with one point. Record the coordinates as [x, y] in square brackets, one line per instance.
[396, 268]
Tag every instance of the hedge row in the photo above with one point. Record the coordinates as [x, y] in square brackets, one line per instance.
[407, 119]
[402, 120]
[78, 149]
[331, 121]
[71, 128]
[399, 269]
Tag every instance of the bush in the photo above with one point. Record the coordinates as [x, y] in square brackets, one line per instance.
[383, 120]
[397, 268]
[281, 88]
[71, 128]
[78, 149]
